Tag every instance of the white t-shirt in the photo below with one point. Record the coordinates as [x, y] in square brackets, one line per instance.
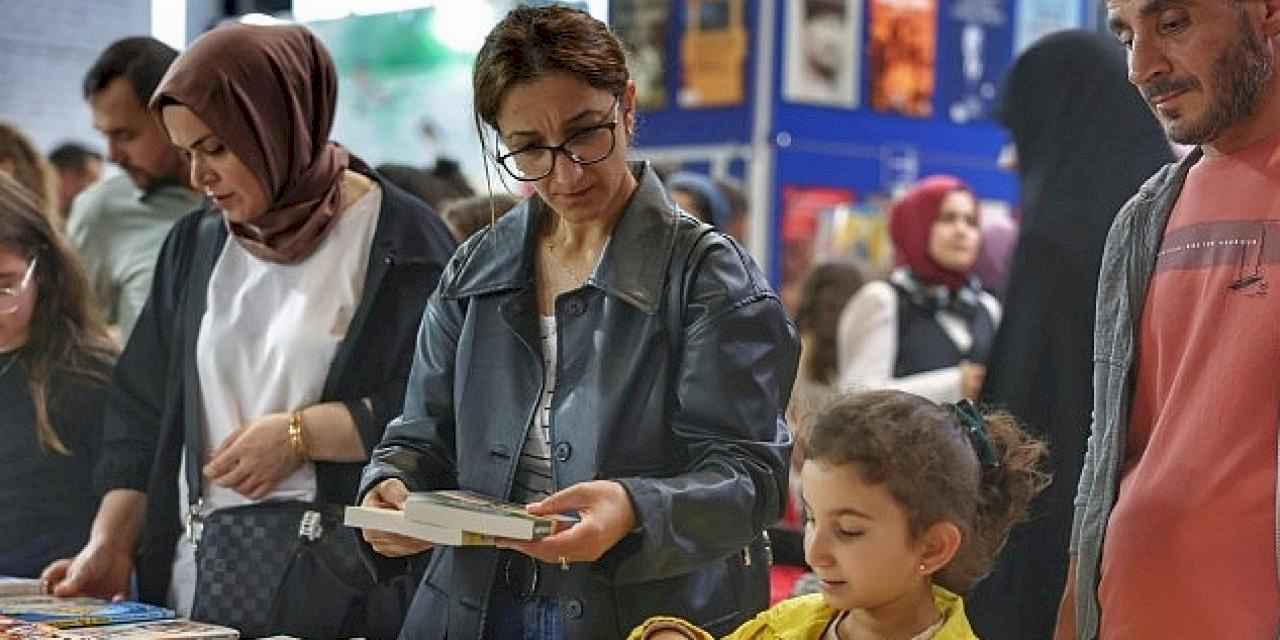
[266, 342]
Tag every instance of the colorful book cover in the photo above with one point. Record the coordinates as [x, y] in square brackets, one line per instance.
[471, 511]
[901, 52]
[824, 52]
[79, 612]
[643, 26]
[975, 38]
[14, 629]
[153, 630]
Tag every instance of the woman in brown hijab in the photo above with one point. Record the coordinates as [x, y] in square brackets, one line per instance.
[282, 353]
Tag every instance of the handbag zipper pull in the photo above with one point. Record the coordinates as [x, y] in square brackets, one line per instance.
[195, 522]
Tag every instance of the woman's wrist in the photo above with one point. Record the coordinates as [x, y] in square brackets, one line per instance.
[298, 436]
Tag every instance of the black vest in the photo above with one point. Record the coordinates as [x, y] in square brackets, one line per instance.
[923, 345]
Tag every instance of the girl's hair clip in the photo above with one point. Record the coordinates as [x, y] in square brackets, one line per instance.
[974, 427]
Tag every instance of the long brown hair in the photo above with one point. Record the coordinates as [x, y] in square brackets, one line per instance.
[32, 171]
[920, 453]
[823, 295]
[66, 336]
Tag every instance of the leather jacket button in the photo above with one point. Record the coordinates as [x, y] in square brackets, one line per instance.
[576, 307]
[573, 609]
[563, 451]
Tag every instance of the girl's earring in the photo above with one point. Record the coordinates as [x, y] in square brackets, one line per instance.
[922, 568]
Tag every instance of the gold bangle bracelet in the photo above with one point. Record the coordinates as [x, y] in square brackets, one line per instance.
[297, 436]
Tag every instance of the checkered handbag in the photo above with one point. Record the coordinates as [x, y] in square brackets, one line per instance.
[279, 567]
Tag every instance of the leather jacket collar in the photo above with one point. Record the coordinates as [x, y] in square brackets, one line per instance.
[632, 269]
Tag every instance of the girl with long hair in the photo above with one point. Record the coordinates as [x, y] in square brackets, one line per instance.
[55, 360]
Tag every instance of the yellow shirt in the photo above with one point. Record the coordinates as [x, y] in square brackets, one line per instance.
[806, 617]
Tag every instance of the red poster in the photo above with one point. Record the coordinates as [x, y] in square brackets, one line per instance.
[802, 208]
[902, 49]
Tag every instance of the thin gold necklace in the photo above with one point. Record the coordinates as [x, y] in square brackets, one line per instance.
[574, 277]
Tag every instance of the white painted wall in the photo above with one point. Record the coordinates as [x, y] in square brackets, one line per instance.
[45, 49]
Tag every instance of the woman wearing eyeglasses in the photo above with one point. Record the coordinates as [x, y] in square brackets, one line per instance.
[55, 359]
[593, 352]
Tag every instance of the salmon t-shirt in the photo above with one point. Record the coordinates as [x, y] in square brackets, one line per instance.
[1190, 548]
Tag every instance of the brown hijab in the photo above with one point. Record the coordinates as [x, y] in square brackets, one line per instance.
[269, 94]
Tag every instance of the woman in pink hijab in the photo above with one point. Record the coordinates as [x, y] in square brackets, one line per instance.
[928, 328]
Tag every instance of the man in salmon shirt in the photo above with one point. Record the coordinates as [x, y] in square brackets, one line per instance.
[1176, 525]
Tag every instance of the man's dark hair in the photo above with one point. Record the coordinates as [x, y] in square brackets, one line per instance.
[72, 156]
[140, 59]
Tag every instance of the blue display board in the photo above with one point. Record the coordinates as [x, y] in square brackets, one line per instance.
[859, 149]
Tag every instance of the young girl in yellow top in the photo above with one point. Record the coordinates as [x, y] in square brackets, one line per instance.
[907, 502]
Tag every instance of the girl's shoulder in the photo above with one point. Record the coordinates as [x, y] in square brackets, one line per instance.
[957, 625]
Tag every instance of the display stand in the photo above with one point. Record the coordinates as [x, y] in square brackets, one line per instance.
[864, 120]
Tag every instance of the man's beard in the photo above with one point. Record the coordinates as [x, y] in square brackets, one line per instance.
[1243, 76]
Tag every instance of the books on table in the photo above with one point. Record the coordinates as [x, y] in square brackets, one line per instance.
[12, 628]
[458, 518]
[78, 612]
[10, 586]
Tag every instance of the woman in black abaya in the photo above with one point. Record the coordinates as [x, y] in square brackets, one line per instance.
[1085, 143]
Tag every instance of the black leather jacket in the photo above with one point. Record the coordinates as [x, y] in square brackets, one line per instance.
[676, 363]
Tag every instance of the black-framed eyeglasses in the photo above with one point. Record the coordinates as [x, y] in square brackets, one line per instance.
[11, 297]
[588, 146]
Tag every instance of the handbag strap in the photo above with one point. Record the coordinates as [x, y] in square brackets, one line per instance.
[196, 299]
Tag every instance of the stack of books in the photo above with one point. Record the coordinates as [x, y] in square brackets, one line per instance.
[458, 519]
[47, 617]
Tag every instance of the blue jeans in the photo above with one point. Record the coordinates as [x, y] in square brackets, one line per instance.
[530, 619]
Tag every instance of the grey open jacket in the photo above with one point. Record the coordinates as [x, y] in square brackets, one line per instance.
[1127, 266]
[675, 364]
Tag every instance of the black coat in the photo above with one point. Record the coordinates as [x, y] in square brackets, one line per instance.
[146, 411]
[676, 363]
[1086, 142]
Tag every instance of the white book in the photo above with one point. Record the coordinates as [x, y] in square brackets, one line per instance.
[471, 511]
[393, 521]
[10, 586]
[154, 630]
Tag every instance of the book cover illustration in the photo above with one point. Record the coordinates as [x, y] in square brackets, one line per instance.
[393, 521]
[824, 52]
[713, 54]
[902, 49]
[471, 511]
[79, 612]
[153, 630]
[643, 26]
[14, 629]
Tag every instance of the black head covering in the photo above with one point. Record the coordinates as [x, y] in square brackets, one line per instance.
[1083, 134]
[1086, 142]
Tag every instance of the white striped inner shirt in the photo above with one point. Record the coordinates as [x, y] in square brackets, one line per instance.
[533, 473]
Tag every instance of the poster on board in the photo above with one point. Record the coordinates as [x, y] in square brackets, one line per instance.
[823, 54]
[901, 53]
[642, 25]
[1038, 18]
[713, 54]
[974, 46]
